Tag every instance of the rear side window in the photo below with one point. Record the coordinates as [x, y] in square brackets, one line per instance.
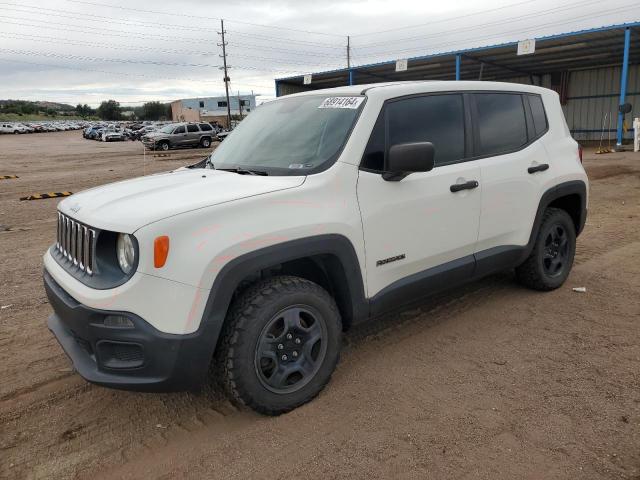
[179, 130]
[192, 128]
[205, 127]
[502, 126]
[539, 116]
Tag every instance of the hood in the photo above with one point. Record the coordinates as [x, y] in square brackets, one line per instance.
[126, 206]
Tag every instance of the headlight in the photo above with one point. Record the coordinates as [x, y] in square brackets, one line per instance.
[126, 252]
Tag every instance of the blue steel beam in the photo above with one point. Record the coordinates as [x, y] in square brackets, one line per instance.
[623, 81]
[458, 61]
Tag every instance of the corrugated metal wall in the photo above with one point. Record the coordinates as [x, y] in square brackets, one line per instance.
[594, 93]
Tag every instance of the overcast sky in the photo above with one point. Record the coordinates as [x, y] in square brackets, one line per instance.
[90, 50]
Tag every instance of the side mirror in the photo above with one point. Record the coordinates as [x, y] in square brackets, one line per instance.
[625, 108]
[407, 158]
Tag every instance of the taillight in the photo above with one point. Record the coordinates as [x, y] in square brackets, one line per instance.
[580, 152]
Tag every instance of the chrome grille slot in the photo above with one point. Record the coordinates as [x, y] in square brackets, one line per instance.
[76, 243]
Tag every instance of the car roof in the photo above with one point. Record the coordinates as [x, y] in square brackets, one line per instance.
[396, 89]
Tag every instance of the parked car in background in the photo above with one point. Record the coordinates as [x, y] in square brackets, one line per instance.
[113, 136]
[9, 128]
[180, 135]
[220, 136]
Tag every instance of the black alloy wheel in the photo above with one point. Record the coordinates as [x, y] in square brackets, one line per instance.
[556, 251]
[291, 349]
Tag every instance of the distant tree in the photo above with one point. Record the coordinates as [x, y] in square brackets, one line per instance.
[84, 110]
[153, 111]
[109, 110]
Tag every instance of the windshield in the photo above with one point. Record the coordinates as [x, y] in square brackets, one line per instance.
[289, 135]
[168, 129]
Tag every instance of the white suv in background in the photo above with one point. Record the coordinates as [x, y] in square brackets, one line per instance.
[11, 128]
[321, 210]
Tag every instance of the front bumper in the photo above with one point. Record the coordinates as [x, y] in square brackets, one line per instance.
[139, 358]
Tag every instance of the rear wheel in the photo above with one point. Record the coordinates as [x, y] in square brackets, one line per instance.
[281, 344]
[205, 142]
[551, 259]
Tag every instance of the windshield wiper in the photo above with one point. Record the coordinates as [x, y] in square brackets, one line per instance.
[243, 171]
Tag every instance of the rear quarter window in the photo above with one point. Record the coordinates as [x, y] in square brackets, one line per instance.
[538, 113]
[205, 127]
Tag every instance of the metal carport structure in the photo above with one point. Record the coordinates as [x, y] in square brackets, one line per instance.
[555, 56]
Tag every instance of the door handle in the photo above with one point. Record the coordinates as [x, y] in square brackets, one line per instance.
[538, 168]
[470, 185]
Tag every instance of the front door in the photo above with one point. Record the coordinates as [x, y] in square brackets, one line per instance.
[427, 223]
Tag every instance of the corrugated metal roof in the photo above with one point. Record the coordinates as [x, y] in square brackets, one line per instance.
[582, 49]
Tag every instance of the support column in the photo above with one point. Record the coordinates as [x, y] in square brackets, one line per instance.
[458, 62]
[277, 89]
[351, 76]
[623, 82]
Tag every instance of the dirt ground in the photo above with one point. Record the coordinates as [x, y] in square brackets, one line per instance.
[491, 381]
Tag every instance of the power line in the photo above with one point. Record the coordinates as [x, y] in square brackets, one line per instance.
[48, 40]
[145, 24]
[130, 61]
[270, 37]
[254, 46]
[126, 74]
[518, 31]
[448, 19]
[65, 41]
[103, 31]
[201, 17]
[157, 37]
[103, 59]
[484, 25]
[96, 18]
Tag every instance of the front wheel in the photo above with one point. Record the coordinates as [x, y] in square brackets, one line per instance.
[281, 344]
[551, 259]
[164, 146]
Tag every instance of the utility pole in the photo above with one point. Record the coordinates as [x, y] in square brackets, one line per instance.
[348, 51]
[226, 75]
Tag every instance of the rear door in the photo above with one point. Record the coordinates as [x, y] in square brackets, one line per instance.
[419, 223]
[179, 136]
[507, 146]
[193, 134]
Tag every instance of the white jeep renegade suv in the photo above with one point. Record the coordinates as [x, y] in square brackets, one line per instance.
[319, 211]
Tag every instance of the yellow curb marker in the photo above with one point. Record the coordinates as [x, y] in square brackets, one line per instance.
[42, 196]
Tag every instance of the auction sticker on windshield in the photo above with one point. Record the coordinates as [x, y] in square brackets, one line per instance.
[342, 102]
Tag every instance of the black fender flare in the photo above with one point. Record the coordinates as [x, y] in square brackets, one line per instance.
[574, 187]
[238, 269]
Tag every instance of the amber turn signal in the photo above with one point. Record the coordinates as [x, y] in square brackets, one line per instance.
[160, 251]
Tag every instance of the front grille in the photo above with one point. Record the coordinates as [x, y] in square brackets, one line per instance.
[76, 243]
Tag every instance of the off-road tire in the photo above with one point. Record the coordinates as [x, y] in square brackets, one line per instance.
[247, 318]
[532, 272]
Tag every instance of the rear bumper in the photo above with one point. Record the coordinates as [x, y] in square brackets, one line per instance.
[139, 358]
